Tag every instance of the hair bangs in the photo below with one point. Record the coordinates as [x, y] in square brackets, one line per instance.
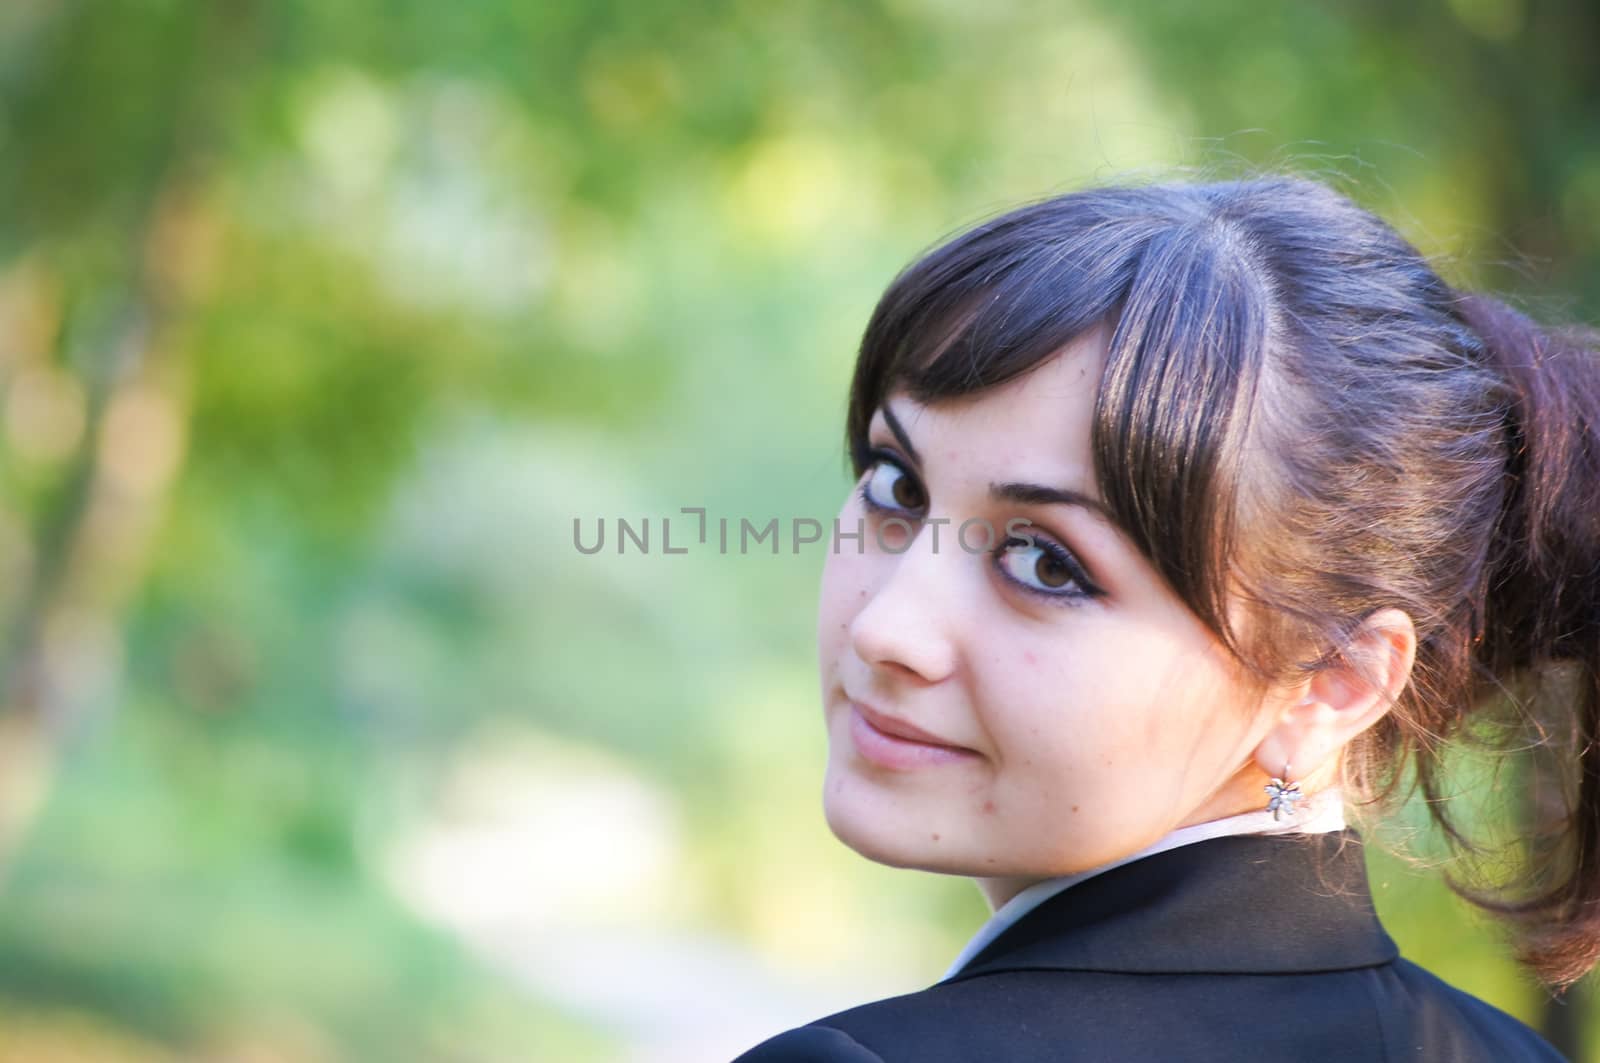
[1175, 410]
[1188, 319]
[984, 308]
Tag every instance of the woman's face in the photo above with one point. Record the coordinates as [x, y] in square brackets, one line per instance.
[1018, 712]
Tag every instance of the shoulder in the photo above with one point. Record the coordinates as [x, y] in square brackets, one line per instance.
[1391, 1012]
[944, 1023]
[924, 1025]
[1067, 1016]
[811, 1044]
[1438, 1015]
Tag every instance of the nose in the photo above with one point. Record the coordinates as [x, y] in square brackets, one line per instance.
[907, 625]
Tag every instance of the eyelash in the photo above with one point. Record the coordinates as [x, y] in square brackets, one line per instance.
[1058, 553]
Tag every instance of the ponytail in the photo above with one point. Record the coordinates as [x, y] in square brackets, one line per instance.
[1540, 618]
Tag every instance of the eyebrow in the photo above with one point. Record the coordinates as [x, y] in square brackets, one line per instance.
[1022, 494]
[900, 433]
[1025, 494]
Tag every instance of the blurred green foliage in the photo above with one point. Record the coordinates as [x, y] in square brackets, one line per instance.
[320, 323]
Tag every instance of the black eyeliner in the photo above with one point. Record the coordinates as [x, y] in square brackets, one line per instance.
[1087, 588]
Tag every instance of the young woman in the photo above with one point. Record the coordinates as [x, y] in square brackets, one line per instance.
[1187, 515]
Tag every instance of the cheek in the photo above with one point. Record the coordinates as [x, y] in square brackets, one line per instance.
[844, 590]
[836, 607]
[1101, 697]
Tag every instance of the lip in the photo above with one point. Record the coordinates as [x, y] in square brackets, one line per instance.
[897, 745]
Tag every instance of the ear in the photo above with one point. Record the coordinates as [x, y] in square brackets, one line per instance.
[1323, 712]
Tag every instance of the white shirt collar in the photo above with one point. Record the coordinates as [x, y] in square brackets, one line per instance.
[1320, 812]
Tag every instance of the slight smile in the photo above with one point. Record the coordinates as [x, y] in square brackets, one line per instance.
[898, 745]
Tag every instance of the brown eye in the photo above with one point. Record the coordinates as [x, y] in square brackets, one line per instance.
[907, 493]
[1051, 572]
[891, 487]
[1043, 567]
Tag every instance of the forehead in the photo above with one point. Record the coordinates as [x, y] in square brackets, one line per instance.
[1039, 421]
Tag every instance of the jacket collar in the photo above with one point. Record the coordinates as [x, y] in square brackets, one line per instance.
[1240, 904]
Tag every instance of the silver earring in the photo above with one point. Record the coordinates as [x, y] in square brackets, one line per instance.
[1284, 795]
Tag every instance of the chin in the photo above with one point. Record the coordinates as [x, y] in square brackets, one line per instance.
[885, 837]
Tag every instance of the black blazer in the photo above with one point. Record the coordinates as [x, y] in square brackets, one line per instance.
[1247, 947]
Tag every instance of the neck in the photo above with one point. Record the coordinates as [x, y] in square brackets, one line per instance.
[1321, 811]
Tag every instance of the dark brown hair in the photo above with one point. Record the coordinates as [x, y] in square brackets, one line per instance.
[1298, 411]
